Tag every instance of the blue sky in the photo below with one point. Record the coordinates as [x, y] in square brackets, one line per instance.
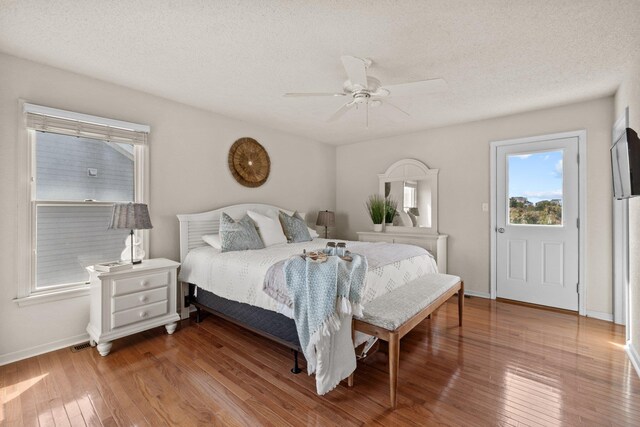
[536, 176]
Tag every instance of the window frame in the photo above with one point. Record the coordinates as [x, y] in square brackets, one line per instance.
[28, 294]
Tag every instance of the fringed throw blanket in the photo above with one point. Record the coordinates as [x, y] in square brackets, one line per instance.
[325, 297]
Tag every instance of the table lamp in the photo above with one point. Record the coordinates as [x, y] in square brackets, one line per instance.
[132, 216]
[326, 219]
[414, 211]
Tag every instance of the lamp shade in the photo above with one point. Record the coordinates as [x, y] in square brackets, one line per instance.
[132, 216]
[414, 211]
[326, 219]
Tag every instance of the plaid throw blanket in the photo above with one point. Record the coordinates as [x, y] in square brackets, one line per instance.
[325, 297]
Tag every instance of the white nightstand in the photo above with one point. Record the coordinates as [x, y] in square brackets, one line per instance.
[129, 301]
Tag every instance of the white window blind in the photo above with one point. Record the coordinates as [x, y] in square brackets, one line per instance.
[63, 122]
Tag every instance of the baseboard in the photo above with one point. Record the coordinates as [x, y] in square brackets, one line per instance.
[599, 315]
[633, 356]
[477, 294]
[5, 359]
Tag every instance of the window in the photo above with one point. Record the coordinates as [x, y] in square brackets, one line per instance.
[535, 188]
[410, 195]
[79, 165]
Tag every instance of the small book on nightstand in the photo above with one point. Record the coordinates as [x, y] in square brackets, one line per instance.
[108, 267]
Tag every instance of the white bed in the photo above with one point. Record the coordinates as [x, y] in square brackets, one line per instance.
[239, 276]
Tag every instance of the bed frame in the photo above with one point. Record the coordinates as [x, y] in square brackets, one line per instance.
[266, 323]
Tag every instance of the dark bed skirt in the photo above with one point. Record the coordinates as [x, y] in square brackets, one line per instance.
[267, 323]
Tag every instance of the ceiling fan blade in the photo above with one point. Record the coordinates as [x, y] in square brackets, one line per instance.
[340, 112]
[301, 94]
[396, 108]
[417, 88]
[380, 93]
[356, 70]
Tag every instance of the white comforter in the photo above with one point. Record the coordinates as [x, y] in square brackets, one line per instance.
[239, 276]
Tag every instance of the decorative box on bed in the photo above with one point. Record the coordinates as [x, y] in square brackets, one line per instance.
[230, 284]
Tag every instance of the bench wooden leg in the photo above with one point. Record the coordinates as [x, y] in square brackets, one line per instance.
[353, 340]
[394, 362]
[460, 303]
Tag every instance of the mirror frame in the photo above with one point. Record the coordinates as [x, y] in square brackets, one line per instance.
[413, 170]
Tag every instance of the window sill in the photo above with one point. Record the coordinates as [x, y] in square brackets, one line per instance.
[45, 297]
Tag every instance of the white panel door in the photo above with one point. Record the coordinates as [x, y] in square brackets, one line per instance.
[537, 222]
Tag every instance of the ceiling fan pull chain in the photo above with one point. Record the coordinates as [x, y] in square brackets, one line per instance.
[367, 115]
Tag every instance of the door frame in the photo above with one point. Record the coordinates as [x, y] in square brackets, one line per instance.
[582, 206]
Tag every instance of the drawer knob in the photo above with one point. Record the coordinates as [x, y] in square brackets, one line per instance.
[143, 283]
[143, 314]
[144, 298]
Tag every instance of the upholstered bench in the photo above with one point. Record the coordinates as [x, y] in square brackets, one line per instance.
[392, 315]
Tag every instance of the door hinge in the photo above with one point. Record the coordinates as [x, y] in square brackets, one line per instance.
[578, 222]
[578, 156]
[578, 287]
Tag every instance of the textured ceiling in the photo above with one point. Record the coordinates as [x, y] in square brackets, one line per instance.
[238, 57]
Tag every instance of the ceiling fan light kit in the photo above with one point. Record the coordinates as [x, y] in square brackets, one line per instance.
[367, 90]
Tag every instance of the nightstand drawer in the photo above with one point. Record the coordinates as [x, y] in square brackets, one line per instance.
[138, 314]
[139, 299]
[137, 284]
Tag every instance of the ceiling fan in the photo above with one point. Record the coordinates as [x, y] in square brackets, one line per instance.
[365, 91]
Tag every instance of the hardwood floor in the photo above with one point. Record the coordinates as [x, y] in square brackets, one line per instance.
[508, 365]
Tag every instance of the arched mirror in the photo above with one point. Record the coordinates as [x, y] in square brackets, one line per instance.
[414, 187]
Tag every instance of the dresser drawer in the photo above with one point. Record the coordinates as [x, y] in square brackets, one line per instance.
[139, 299]
[137, 284]
[429, 245]
[138, 314]
[379, 237]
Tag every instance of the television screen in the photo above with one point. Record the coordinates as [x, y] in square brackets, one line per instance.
[625, 165]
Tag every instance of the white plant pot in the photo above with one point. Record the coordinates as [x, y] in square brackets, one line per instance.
[377, 227]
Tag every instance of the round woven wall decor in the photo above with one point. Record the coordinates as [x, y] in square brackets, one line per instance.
[249, 162]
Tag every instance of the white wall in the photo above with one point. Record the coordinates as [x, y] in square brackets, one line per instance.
[461, 153]
[188, 173]
[629, 95]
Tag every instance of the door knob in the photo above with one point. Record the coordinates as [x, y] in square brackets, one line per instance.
[500, 230]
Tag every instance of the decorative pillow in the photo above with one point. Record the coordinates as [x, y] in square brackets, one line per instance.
[294, 228]
[413, 218]
[238, 235]
[213, 240]
[269, 229]
[403, 219]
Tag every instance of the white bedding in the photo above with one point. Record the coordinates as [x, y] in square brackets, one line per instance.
[239, 276]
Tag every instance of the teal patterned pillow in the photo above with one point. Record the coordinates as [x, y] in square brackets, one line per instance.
[238, 235]
[294, 228]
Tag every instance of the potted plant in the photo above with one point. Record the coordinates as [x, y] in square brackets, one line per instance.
[390, 211]
[376, 209]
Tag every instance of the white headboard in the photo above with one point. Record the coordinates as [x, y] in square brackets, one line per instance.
[194, 226]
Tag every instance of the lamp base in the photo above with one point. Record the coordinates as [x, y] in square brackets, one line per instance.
[136, 261]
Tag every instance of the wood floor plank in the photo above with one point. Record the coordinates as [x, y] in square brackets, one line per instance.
[508, 365]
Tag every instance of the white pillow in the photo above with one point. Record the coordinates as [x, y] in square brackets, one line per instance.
[313, 233]
[213, 240]
[270, 229]
[405, 220]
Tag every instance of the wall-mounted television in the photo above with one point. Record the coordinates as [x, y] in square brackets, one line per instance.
[625, 165]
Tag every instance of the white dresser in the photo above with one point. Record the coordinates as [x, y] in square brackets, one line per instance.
[434, 243]
[133, 300]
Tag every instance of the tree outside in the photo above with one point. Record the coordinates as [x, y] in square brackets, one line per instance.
[544, 212]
